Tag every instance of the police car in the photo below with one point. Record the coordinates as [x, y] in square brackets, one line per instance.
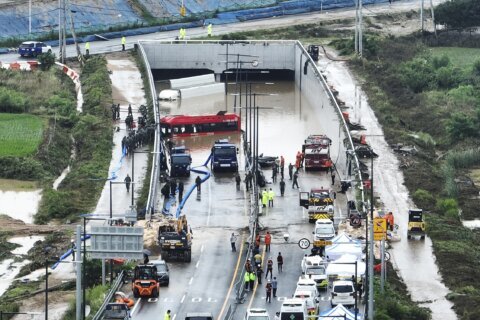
[33, 48]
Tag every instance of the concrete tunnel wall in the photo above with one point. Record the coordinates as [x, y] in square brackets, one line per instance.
[271, 55]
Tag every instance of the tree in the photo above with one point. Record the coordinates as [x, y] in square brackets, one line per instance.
[47, 60]
[458, 13]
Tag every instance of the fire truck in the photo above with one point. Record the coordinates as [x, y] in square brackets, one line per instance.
[316, 150]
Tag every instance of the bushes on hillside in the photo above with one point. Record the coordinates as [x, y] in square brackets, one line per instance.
[458, 13]
[12, 101]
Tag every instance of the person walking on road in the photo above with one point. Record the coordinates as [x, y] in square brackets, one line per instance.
[268, 288]
[209, 30]
[246, 279]
[280, 262]
[268, 241]
[124, 42]
[274, 173]
[264, 198]
[180, 191]
[127, 181]
[248, 266]
[237, 181]
[259, 274]
[173, 187]
[295, 180]
[333, 178]
[290, 171]
[282, 187]
[271, 196]
[269, 268]
[233, 239]
[252, 280]
[198, 183]
[274, 286]
[258, 259]
[167, 315]
[87, 48]
[248, 181]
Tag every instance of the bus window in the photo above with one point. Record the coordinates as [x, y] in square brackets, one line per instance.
[175, 130]
[182, 129]
[194, 128]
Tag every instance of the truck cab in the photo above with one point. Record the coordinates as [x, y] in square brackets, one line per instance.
[224, 156]
[180, 162]
[319, 203]
[317, 152]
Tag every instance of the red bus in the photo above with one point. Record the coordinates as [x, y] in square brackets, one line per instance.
[183, 126]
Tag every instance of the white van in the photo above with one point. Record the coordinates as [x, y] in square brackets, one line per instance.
[315, 269]
[343, 292]
[324, 230]
[293, 309]
[306, 284]
[310, 300]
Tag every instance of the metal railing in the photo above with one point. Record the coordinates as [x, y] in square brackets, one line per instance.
[157, 144]
[116, 285]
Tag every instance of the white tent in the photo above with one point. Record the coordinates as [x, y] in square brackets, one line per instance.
[345, 266]
[343, 244]
[339, 310]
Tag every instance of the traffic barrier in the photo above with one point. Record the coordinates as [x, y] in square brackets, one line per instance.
[116, 285]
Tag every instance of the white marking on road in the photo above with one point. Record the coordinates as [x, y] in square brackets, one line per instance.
[197, 299]
[152, 299]
[201, 248]
[135, 306]
[196, 265]
[183, 298]
[174, 316]
[209, 202]
[191, 280]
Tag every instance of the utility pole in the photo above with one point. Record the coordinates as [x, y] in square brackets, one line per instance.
[30, 17]
[433, 17]
[78, 267]
[360, 30]
[421, 14]
[371, 253]
[72, 25]
[356, 26]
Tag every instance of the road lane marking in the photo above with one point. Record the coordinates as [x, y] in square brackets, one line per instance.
[201, 248]
[174, 316]
[233, 278]
[256, 284]
[191, 280]
[183, 298]
[135, 306]
[196, 265]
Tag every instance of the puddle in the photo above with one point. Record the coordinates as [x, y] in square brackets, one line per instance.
[21, 205]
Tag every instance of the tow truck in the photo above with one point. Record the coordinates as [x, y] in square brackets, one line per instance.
[319, 203]
[180, 161]
[175, 239]
[316, 149]
[224, 156]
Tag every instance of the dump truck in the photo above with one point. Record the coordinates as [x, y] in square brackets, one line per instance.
[175, 239]
[319, 203]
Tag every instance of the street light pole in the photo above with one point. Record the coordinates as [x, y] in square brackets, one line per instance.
[84, 265]
[370, 264]
[46, 287]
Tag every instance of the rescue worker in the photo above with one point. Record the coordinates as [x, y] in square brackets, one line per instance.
[180, 191]
[180, 34]
[252, 280]
[269, 268]
[237, 181]
[258, 259]
[257, 240]
[114, 111]
[259, 274]
[246, 279]
[302, 158]
[282, 166]
[333, 178]
[274, 173]
[268, 241]
[167, 315]
[280, 262]
[264, 198]
[282, 187]
[124, 42]
[130, 113]
[248, 180]
[209, 30]
[87, 48]
[248, 266]
[271, 196]
[173, 187]
[127, 181]
[390, 221]
[295, 180]
[233, 239]
[274, 286]
[118, 111]
[290, 170]
[268, 288]
[198, 183]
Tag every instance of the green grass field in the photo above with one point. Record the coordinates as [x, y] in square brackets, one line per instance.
[459, 57]
[20, 134]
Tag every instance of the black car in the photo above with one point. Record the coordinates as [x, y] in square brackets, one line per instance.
[162, 272]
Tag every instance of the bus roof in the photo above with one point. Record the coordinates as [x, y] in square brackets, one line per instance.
[199, 119]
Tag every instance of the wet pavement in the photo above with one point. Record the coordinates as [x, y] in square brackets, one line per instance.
[413, 259]
[205, 284]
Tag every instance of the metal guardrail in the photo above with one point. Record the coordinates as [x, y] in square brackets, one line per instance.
[118, 282]
[339, 111]
[157, 144]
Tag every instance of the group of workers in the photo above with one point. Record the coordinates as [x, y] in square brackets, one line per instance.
[267, 198]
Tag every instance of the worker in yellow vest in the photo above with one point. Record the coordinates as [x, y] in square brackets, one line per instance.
[124, 42]
[184, 34]
[209, 30]
[87, 48]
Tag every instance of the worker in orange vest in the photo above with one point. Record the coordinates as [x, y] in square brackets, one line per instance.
[390, 221]
[268, 241]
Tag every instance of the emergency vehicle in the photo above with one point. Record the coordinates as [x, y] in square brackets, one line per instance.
[316, 150]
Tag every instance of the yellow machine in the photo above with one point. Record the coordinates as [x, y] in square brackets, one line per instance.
[416, 224]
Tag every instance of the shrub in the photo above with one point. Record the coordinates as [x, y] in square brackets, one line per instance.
[47, 60]
[442, 61]
[447, 77]
[64, 105]
[417, 74]
[20, 168]
[423, 198]
[461, 126]
[447, 207]
[55, 205]
[476, 67]
[12, 101]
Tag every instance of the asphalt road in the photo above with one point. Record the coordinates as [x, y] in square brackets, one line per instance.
[207, 283]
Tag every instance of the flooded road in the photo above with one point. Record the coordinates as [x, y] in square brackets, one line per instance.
[414, 259]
